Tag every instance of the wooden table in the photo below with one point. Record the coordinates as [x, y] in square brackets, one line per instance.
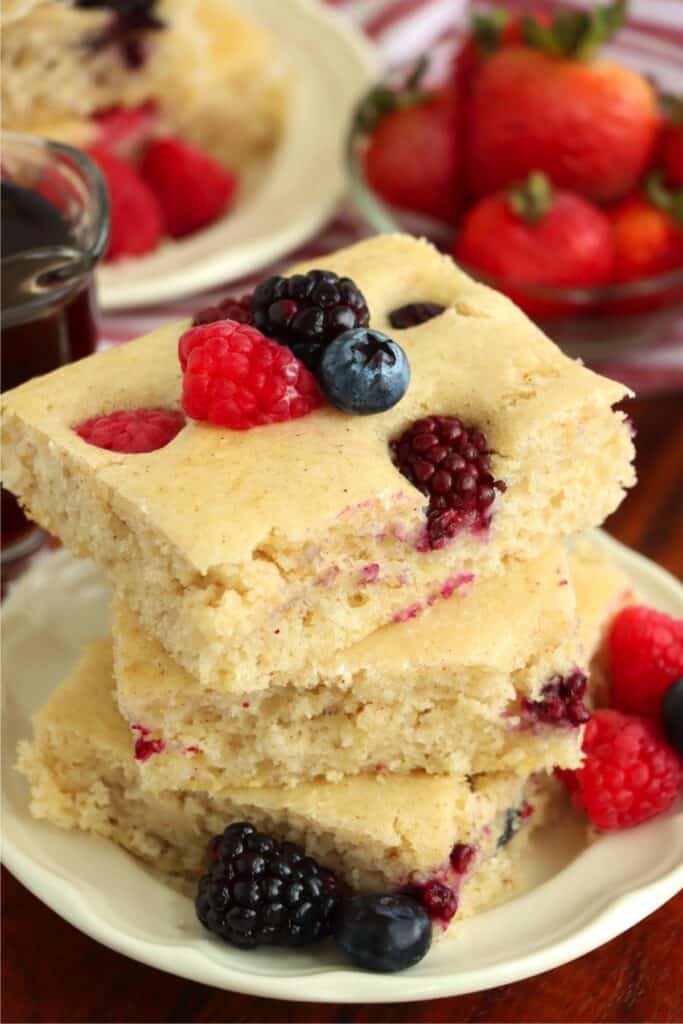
[51, 972]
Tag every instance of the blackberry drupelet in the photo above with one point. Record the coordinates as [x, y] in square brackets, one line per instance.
[450, 463]
[414, 314]
[308, 311]
[258, 891]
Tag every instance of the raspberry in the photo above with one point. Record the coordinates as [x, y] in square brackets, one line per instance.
[258, 891]
[144, 747]
[629, 773]
[450, 464]
[308, 311]
[132, 430]
[236, 378]
[192, 188]
[136, 223]
[238, 310]
[414, 314]
[646, 653]
[561, 702]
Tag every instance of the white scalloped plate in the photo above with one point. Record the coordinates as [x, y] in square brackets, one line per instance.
[329, 65]
[577, 896]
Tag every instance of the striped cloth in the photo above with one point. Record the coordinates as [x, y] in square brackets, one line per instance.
[403, 29]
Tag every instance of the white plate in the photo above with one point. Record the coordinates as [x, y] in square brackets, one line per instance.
[329, 66]
[577, 896]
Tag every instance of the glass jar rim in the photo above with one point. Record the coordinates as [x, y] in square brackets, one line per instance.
[89, 256]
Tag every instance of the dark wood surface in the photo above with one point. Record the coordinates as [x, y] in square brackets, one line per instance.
[51, 972]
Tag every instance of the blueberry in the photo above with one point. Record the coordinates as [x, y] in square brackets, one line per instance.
[513, 820]
[364, 371]
[383, 932]
[672, 714]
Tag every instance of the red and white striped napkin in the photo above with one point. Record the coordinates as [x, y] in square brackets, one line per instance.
[404, 29]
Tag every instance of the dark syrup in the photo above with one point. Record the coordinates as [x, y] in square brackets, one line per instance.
[41, 260]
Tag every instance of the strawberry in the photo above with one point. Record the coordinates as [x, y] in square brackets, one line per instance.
[550, 105]
[192, 188]
[648, 231]
[136, 223]
[490, 31]
[671, 142]
[671, 154]
[412, 158]
[534, 235]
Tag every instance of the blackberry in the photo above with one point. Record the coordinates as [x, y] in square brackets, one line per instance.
[414, 314]
[308, 311]
[258, 891]
[130, 19]
[561, 702]
[227, 309]
[450, 463]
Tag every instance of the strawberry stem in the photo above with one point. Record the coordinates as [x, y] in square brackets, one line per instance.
[532, 200]
[382, 99]
[487, 28]
[672, 107]
[573, 33]
[670, 200]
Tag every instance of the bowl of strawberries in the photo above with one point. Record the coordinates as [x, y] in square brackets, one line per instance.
[549, 164]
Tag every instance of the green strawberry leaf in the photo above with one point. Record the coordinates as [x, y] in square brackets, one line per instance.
[413, 83]
[672, 107]
[670, 200]
[487, 29]
[540, 37]
[532, 199]
[383, 99]
[575, 34]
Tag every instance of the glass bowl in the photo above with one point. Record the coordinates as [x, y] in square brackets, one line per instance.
[591, 323]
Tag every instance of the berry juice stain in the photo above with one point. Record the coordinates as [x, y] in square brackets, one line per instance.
[47, 304]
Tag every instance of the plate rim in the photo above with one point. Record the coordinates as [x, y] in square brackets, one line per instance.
[613, 915]
[131, 295]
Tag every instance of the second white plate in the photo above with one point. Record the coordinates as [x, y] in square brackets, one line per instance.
[329, 66]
